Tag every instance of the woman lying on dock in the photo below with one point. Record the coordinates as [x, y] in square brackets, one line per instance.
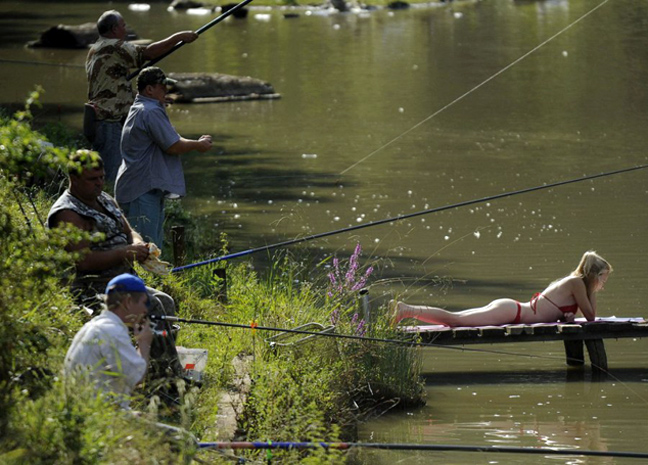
[558, 302]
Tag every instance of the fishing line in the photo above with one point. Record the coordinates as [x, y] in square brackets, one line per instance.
[256, 327]
[24, 213]
[40, 63]
[210, 24]
[474, 88]
[289, 445]
[415, 282]
[403, 217]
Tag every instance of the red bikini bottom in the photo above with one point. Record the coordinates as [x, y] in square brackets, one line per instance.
[519, 314]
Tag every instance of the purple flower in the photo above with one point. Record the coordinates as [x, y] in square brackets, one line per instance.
[361, 329]
[350, 281]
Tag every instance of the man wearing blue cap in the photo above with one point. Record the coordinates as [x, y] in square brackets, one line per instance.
[102, 349]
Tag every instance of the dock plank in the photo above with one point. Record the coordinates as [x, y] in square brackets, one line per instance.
[576, 335]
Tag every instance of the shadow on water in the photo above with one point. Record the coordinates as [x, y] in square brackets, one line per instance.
[535, 377]
[45, 112]
[240, 174]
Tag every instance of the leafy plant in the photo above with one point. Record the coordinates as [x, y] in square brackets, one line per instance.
[314, 390]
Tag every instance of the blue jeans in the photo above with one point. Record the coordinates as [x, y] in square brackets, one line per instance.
[108, 143]
[146, 216]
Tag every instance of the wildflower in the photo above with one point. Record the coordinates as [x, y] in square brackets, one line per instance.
[351, 280]
[362, 328]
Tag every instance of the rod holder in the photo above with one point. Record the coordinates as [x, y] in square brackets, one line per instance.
[221, 294]
[364, 301]
[179, 248]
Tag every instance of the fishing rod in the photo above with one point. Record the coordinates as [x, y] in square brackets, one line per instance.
[210, 24]
[254, 326]
[404, 217]
[289, 445]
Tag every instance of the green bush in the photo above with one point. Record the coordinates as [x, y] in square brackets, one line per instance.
[316, 390]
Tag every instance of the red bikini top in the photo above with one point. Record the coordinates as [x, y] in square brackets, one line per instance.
[573, 308]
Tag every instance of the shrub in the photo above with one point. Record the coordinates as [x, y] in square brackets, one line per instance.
[314, 390]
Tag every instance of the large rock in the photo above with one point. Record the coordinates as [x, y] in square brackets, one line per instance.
[186, 4]
[241, 13]
[398, 5]
[189, 4]
[214, 87]
[76, 36]
[64, 36]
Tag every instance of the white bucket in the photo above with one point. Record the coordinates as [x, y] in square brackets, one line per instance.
[193, 361]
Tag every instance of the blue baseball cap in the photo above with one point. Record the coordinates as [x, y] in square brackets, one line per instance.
[126, 283]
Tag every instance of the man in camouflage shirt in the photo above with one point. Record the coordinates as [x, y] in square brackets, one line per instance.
[110, 61]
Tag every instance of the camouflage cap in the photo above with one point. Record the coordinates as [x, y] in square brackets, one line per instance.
[151, 76]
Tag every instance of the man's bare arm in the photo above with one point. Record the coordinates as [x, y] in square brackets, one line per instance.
[99, 259]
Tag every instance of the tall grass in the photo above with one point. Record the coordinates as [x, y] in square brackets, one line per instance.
[315, 390]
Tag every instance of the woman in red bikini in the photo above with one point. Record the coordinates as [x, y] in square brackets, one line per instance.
[560, 301]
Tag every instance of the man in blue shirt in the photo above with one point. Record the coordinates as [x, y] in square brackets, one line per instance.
[151, 169]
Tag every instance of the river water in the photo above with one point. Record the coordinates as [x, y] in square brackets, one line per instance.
[384, 114]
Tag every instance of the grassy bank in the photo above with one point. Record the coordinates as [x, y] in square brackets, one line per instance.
[316, 391]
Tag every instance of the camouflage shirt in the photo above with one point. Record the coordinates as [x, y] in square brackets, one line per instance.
[109, 63]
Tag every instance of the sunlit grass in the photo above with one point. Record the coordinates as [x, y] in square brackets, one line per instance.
[317, 390]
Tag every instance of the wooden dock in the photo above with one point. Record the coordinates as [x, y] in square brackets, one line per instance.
[575, 336]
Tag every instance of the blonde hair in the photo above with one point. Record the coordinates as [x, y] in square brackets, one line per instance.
[591, 266]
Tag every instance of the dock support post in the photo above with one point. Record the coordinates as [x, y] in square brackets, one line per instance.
[574, 352]
[178, 241]
[597, 355]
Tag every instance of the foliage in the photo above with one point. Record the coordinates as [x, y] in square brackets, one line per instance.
[316, 390]
[344, 285]
[70, 424]
[43, 420]
[32, 319]
[352, 280]
[25, 155]
[62, 136]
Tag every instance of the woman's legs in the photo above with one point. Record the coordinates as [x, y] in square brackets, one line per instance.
[498, 312]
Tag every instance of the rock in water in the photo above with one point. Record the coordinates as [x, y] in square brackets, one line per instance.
[185, 4]
[76, 36]
[63, 36]
[214, 87]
